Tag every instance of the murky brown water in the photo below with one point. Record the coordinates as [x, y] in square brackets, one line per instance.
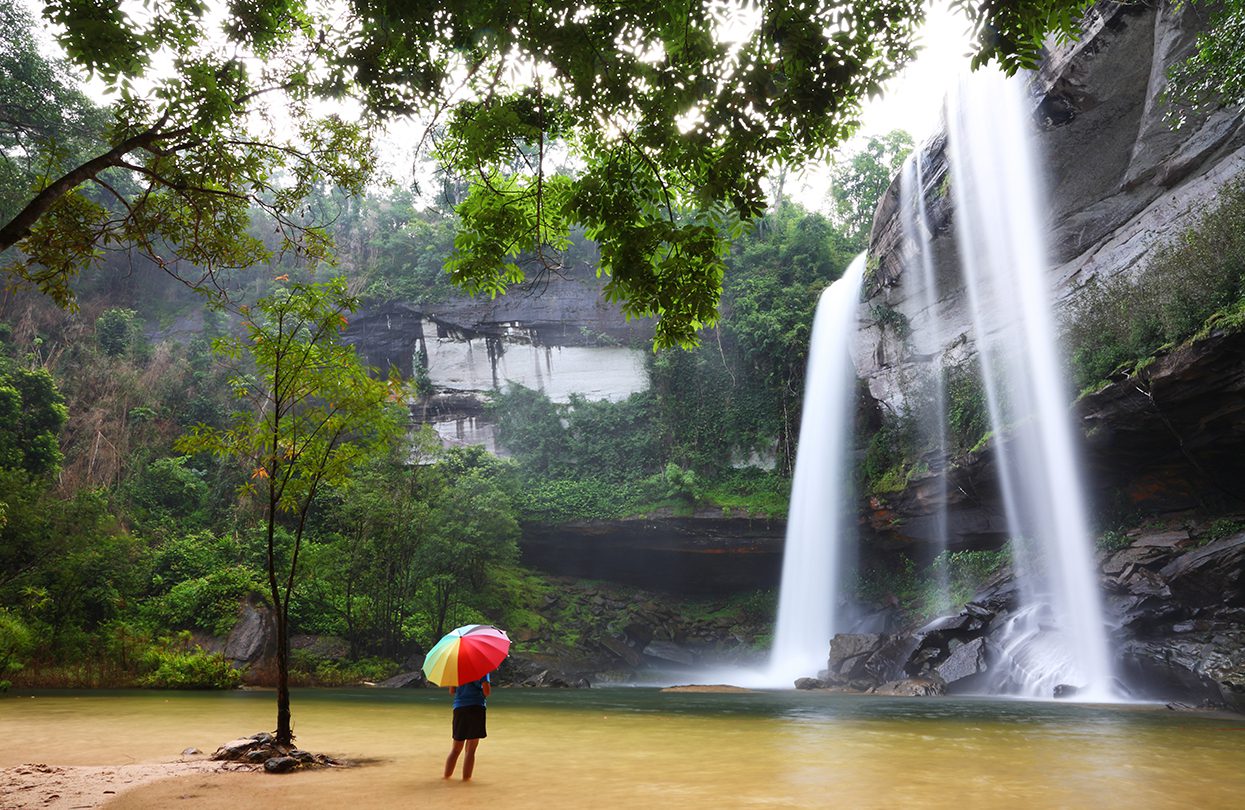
[639, 748]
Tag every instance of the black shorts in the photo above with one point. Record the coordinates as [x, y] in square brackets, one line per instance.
[469, 723]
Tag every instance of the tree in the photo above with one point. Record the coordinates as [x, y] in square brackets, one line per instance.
[859, 181]
[1214, 74]
[187, 154]
[32, 413]
[670, 113]
[315, 413]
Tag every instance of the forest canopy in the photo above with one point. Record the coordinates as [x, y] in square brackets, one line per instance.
[668, 115]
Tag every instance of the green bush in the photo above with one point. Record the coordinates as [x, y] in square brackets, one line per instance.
[16, 642]
[208, 602]
[189, 669]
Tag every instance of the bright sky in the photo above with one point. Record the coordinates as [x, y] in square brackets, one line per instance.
[912, 101]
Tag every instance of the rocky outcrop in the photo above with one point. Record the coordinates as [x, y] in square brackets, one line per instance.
[1175, 598]
[692, 555]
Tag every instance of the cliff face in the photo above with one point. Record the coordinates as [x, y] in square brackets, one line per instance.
[1120, 181]
[558, 335]
[1168, 438]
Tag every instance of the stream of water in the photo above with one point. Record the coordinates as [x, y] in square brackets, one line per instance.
[820, 487]
[624, 748]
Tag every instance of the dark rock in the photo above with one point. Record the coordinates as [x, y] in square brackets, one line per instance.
[810, 683]
[1210, 575]
[263, 738]
[405, 680]
[302, 756]
[257, 755]
[280, 764]
[1064, 690]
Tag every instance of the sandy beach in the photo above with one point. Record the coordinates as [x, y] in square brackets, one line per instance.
[69, 787]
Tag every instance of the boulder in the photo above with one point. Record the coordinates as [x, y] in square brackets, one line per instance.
[848, 654]
[965, 668]
[405, 680]
[810, 683]
[254, 637]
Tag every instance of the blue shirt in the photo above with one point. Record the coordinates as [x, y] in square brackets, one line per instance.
[470, 693]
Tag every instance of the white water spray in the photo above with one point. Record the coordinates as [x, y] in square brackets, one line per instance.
[1059, 635]
[924, 337]
[820, 499]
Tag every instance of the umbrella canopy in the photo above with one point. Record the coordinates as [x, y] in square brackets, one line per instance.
[466, 654]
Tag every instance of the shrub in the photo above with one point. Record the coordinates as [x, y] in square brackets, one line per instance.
[189, 669]
[16, 641]
[1118, 322]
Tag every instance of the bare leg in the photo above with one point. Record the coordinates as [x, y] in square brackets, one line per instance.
[452, 759]
[469, 762]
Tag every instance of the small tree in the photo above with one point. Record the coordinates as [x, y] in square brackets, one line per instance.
[314, 413]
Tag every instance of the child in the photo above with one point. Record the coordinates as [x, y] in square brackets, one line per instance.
[469, 705]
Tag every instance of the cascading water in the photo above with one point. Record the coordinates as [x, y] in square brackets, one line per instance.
[924, 338]
[1058, 636]
[820, 499]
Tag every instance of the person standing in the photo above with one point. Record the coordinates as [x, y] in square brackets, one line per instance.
[470, 702]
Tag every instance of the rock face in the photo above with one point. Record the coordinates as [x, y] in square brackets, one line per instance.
[692, 555]
[1120, 181]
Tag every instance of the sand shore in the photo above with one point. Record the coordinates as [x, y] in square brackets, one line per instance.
[71, 787]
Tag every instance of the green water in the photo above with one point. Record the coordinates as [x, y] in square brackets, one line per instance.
[642, 748]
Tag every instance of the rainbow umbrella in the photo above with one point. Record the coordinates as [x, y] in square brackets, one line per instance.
[466, 654]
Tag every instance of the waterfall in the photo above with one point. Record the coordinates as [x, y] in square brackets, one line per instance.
[925, 339]
[1058, 635]
[818, 517]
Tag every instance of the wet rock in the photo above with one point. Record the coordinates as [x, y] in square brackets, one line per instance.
[912, 687]
[280, 764]
[1211, 575]
[849, 652]
[1064, 690]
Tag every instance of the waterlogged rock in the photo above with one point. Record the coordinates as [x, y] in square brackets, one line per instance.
[810, 683]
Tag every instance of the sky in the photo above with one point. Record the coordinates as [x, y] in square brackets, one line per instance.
[912, 101]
